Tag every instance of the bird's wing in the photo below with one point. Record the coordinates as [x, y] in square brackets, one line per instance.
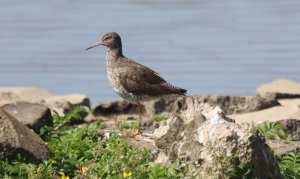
[142, 80]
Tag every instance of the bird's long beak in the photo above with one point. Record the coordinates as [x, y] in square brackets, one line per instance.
[95, 45]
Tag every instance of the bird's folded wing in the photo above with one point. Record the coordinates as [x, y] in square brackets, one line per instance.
[144, 81]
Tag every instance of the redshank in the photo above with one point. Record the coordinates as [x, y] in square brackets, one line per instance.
[130, 80]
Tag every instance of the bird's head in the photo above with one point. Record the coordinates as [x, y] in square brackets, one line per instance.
[111, 40]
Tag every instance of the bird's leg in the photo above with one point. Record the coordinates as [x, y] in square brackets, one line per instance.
[140, 114]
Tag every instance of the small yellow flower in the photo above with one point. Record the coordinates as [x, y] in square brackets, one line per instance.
[127, 174]
[84, 169]
[64, 177]
[46, 143]
[39, 169]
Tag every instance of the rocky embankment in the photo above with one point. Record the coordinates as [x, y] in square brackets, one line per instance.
[199, 129]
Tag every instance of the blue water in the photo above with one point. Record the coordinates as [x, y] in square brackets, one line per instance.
[208, 47]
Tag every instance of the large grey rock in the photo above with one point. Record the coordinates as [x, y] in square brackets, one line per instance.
[211, 145]
[281, 88]
[33, 115]
[16, 138]
[229, 104]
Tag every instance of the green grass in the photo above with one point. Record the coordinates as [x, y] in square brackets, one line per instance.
[123, 125]
[159, 118]
[83, 153]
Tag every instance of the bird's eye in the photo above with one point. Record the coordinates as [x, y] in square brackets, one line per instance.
[107, 38]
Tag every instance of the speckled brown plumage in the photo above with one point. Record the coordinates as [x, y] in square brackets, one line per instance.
[131, 80]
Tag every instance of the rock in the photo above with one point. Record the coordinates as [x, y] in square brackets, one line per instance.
[168, 132]
[33, 115]
[62, 104]
[293, 128]
[114, 108]
[230, 105]
[289, 109]
[283, 147]
[16, 138]
[29, 94]
[281, 88]
[213, 146]
[142, 141]
[8, 98]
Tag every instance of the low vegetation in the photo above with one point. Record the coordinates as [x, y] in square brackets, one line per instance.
[231, 166]
[160, 117]
[85, 153]
[274, 131]
[290, 163]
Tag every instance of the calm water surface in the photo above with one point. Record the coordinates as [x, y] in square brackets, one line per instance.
[208, 47]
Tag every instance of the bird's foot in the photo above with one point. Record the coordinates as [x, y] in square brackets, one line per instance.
[136, 132]
[131, 133]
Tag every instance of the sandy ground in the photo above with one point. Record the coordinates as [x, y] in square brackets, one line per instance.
[289, 109]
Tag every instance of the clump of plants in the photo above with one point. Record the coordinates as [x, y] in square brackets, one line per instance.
[160, 117]
[274, 131]
[290, 165]
[123, 125]
[229, 166]
[84, 153]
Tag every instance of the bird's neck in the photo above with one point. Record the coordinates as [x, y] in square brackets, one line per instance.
[112, 55]
[114, 52]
